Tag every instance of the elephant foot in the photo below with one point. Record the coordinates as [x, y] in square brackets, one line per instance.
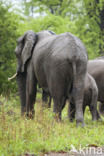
[100, 119]
[79, 120]
[23, 111]
[97, 119]
[45, 105]
[94, 118]
[79, 124]
[30, 115]
[98, 116]
[71, 119]
[57, 117]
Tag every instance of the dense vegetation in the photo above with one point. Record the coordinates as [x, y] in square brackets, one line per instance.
[82, 18]
[8, 34]
[85, 19]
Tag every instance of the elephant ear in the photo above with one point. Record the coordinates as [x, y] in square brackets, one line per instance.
[101, 108]
[29, 39]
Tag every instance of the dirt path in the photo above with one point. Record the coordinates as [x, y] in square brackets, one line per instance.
[90, 151]
[74, 154]
[58, 154]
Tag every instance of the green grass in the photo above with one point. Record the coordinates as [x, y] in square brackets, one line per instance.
[43, 134]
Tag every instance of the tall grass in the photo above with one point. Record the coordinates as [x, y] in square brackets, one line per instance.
[43, 134]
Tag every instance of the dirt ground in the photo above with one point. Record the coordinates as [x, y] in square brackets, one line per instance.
[90, 151]
[74, 154]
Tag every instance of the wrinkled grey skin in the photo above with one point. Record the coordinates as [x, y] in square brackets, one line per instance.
[90, 99]
[58, 63]
[96, 69]
[46, 99]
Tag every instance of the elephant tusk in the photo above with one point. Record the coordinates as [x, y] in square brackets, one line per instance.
[10, 78]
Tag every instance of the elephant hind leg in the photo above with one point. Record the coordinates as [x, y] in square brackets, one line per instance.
[93, 105]
[101, 108]
[21, 81]
[95, 113]
[98, 116]
[71, 111]
[77, 95]
[45, 97]
[59, 104]
[49, 103]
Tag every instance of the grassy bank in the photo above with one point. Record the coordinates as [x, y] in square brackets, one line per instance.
[19, 135]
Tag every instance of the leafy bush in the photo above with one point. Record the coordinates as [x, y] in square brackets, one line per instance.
[8, 34]
[58, 24]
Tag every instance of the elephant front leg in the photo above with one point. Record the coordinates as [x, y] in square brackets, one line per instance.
[21, 81]
[30, 99]
[71, 111]
[31, 90]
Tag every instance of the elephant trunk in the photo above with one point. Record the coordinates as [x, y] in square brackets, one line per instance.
[21, 81]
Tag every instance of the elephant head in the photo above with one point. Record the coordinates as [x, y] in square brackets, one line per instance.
[23, 51]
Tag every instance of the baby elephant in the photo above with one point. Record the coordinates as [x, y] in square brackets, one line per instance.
[90, 99]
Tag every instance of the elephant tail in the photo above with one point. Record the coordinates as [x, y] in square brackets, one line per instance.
[74, 69]
[74, 78]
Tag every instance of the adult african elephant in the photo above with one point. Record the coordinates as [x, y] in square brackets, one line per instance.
[96, 69]
[90, 99]
[58, 63]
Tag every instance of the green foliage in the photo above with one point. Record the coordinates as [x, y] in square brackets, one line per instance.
[64, 8]
[58, 24]
[19, 135]
[8, 35]
[82, 18]
[49, 22]
[86, 15]
[95, 18]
